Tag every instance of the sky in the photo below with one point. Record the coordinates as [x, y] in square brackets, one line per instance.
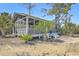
[37, 10]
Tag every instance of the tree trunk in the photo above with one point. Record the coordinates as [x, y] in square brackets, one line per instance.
[2, 32]
[44, 37]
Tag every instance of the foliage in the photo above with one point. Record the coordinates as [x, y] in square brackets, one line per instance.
[69, 28]
[26, 37]
[44, 26]
[76, 29]
[59, 9]
[5, 23]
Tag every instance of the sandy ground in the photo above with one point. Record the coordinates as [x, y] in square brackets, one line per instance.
[63, 46]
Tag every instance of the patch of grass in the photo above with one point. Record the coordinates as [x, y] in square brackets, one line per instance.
[25, 38]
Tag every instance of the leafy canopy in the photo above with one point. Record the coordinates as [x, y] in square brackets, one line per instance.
[5, 21]
[44, 26]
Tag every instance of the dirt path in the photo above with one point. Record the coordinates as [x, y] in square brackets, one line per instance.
[61, 46]
[68, 39]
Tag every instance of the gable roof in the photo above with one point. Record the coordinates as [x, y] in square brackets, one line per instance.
[33, 17]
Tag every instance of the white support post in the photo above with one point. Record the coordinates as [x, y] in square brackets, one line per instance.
[12, 18]
[34, 25]
[13, 31]
[27, 24]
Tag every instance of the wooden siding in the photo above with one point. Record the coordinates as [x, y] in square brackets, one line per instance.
[23, 24]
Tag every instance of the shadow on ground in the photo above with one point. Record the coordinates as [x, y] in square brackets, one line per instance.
[35, 41]
[58, 41]
[17, 41]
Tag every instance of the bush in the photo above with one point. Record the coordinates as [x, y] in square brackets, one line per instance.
[26, 37]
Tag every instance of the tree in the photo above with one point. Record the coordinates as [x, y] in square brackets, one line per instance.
[29, 6]
[44, 27]
[60, 11]
[77, 29]
[68, 28]
[5, 23]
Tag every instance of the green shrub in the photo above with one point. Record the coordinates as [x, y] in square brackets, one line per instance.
[26, 37]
